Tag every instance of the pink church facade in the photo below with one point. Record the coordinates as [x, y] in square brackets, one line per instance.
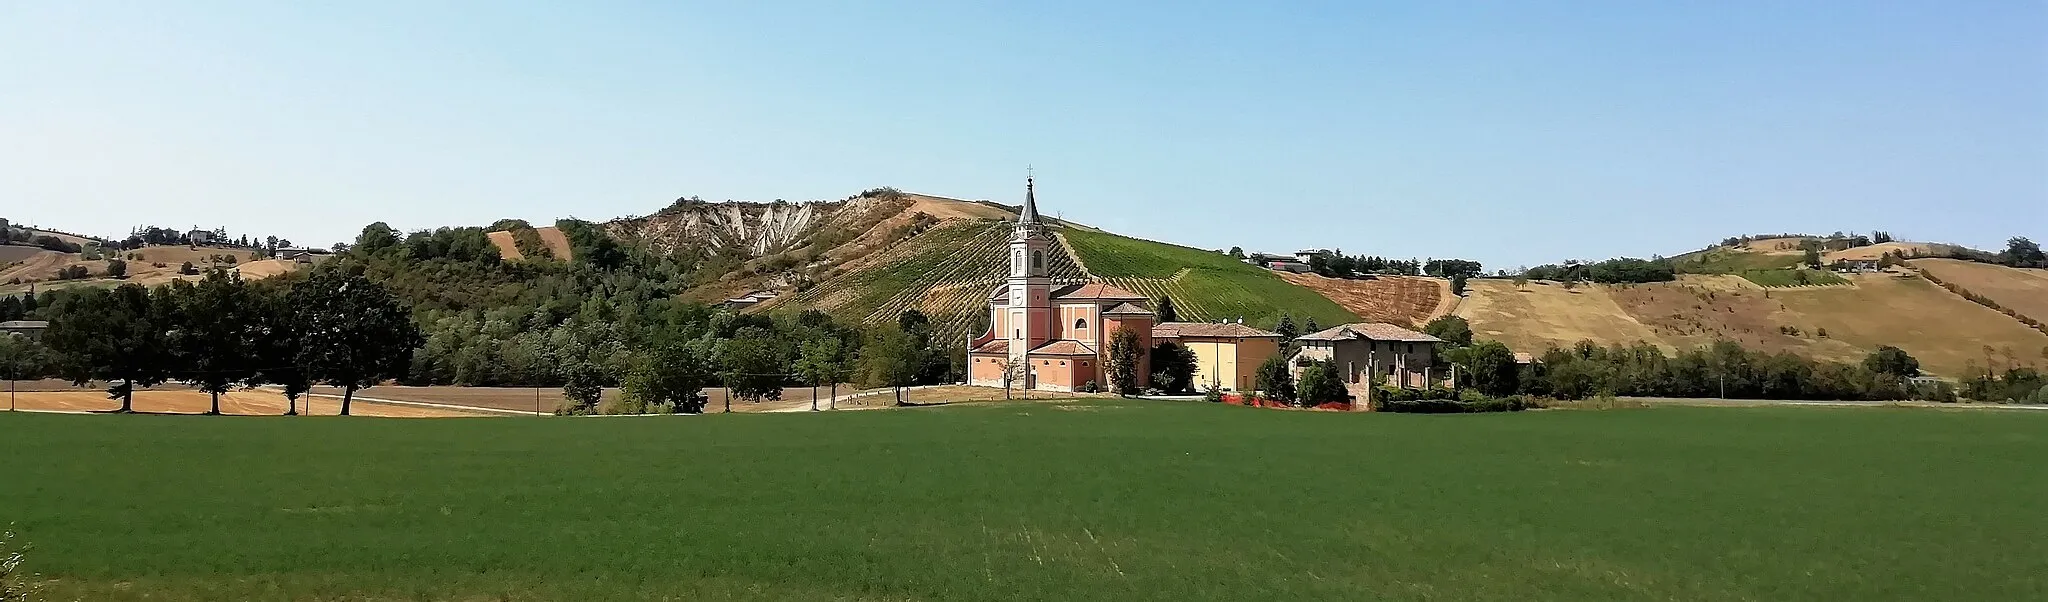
[1049, 336]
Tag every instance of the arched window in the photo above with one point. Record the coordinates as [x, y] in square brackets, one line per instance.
[1019, 261]
[1038, 260]
[1081, 324]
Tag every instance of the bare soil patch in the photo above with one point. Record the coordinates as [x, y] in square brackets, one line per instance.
[1950, 335]
[1405, 300]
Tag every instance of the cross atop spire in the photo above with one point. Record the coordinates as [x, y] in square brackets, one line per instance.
[1030, 213]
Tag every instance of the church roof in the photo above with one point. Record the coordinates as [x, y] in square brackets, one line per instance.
[1029, 215]
[995, 346]
[1002, 292]
[1126, 309]
[1063, 348]
[1174, 330]
[1094, 290]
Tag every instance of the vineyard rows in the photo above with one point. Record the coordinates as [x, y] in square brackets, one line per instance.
[947, 273]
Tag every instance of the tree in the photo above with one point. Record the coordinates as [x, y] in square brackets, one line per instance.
[188, 269]
[355, 332]
[1452, 329]
[110, 335]
[1880, 237]
[117, 268]
[2023, 253]
[753, 362]
[1492, 368]
[1173, 368]
[819, 362]
[1286, 328]
[1892, 360]
[582, 387]
[1164, 309]
[1125, 353]
[1237, 252]
[376, 237]
[215, 336]
[672, 376]
[21, 358]
[279, 345]
[1273, 380]
[1309, 326]
[1812, 257]
[890, 358]
[1522, 281]
[1458, 285]
[1320, 384]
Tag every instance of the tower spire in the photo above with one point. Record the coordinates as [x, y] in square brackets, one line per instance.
[1030, 213]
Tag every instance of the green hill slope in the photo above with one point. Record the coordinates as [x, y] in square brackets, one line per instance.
[948, 271]
[1205, 285]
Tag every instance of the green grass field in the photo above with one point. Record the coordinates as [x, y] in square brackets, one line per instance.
[1105, 500]
[1205, 285]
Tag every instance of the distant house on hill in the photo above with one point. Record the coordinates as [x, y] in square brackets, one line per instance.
[748, 300]
[1855, 266]
[199, 237]
[1290, 266]
[1306, 255]
[301, 255]
[1227, 356]
[1278, 263]
[28, 328]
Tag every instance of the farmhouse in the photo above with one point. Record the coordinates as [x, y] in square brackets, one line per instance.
[27, 328]
[1227, 356]
[1044, 335]
[1364, 351]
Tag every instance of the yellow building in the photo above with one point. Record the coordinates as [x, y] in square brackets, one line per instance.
[1227, 356]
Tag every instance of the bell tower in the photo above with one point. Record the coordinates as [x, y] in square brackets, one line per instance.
[1031, 314]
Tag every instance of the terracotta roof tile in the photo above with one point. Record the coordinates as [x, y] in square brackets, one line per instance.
[995, 346]
[1377, 331]
[1126, 309]
[1063, 348]
[1174, 330]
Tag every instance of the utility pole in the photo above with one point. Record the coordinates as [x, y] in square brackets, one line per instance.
[536, 401]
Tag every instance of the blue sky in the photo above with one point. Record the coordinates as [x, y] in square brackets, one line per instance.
[1511, 133]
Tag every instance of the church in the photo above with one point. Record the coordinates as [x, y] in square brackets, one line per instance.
[1053, 336]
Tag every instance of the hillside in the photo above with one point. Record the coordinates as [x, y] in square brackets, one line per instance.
[1205, 285]
[1949, 334]
[1406, 300]
[2024, 291]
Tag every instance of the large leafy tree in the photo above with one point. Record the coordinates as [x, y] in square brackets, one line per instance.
[1125, 353]
[672, 376]
[355, 334]
[1492, 368]
[1274, 381]
[891, 359]
[279, 345]
[754, 365]
[111, 335]
[1452, 329]
[821, 361]
[216, 337]
[1173, 368]
[1286, 328]
[1892, 360]
[21, 358]
[1319, 384]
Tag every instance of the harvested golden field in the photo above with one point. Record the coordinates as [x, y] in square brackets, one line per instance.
[1544, 314]
[13, 253]
[1950, 335]
[175, 255]
[2018, 289]
[1404, 300]
[40, 265]
[266, 268]
[1787, 245]
[552, 237]
[1700, 309]
[257, 402]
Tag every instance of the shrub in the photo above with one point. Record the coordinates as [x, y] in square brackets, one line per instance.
[1212, 395]
[1089, 387]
